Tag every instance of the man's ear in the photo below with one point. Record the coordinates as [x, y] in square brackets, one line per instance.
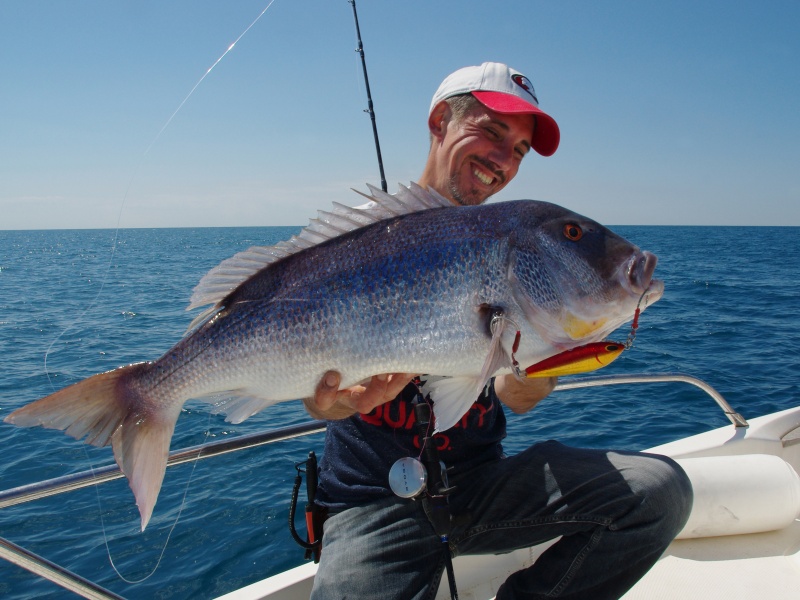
[438, 120]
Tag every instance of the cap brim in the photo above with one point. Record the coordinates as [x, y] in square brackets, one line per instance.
[546, 135]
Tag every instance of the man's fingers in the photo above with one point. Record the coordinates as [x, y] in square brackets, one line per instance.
[380, 389]
[327, 388]
[397, 382]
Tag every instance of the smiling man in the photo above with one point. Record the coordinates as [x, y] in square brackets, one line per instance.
[614, 511]
[483, 121]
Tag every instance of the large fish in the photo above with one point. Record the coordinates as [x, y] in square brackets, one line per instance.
[411, 284]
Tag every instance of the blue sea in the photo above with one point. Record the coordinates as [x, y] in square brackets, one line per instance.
[77, 302]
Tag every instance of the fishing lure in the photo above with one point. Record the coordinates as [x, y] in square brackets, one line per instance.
[582, 359]
[578, 360]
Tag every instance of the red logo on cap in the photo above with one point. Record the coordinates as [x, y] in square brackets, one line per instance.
[525, 84]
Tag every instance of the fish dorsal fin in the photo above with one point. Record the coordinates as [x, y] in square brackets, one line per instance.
[230, 273]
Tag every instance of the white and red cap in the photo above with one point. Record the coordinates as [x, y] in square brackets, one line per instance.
[503, 90]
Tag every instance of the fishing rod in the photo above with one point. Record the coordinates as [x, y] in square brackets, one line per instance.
[369, 109]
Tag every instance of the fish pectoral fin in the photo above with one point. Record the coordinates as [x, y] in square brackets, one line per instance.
[497, 358]
[237, 405]
[452, 398]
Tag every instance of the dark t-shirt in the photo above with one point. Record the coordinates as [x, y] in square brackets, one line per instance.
[360, 450]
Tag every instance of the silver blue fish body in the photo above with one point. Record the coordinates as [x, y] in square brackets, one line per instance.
[441, 291]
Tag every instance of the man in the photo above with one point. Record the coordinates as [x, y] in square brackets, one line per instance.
[616, 512]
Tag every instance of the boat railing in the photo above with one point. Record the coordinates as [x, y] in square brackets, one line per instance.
[584, 382]
[51, 487]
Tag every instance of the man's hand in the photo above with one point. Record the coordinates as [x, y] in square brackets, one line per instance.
[329, 402]
[521, 395]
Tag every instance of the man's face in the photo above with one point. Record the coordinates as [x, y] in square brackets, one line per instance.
[480, 153]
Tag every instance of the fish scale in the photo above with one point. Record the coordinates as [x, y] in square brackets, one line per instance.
[359, 326]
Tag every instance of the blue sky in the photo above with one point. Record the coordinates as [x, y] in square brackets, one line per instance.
[679, 112]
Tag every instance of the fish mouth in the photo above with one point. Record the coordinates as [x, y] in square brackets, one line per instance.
[639, 273]
[639, 277]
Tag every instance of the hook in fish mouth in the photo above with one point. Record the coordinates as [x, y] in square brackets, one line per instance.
[653, 292]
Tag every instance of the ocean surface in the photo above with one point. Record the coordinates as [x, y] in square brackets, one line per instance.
[77, 302]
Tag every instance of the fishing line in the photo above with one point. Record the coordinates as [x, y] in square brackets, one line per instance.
[199, 81]
[128, 188]
[171, 529]
[103, 281]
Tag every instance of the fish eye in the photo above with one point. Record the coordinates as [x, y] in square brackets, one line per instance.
[573, 232]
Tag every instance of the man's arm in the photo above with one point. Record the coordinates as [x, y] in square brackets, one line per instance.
[521, 395]
[329, 402]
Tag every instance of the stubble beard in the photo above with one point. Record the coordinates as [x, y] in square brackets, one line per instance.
[464, 197]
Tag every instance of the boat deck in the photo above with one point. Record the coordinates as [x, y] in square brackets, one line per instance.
[740, 567]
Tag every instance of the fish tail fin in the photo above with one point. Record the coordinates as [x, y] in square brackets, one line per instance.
[111, 408]
[141, 451]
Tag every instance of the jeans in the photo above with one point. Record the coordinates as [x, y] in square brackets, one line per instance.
[616, 512]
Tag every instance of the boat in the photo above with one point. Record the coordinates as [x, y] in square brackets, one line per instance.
[742, 540]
